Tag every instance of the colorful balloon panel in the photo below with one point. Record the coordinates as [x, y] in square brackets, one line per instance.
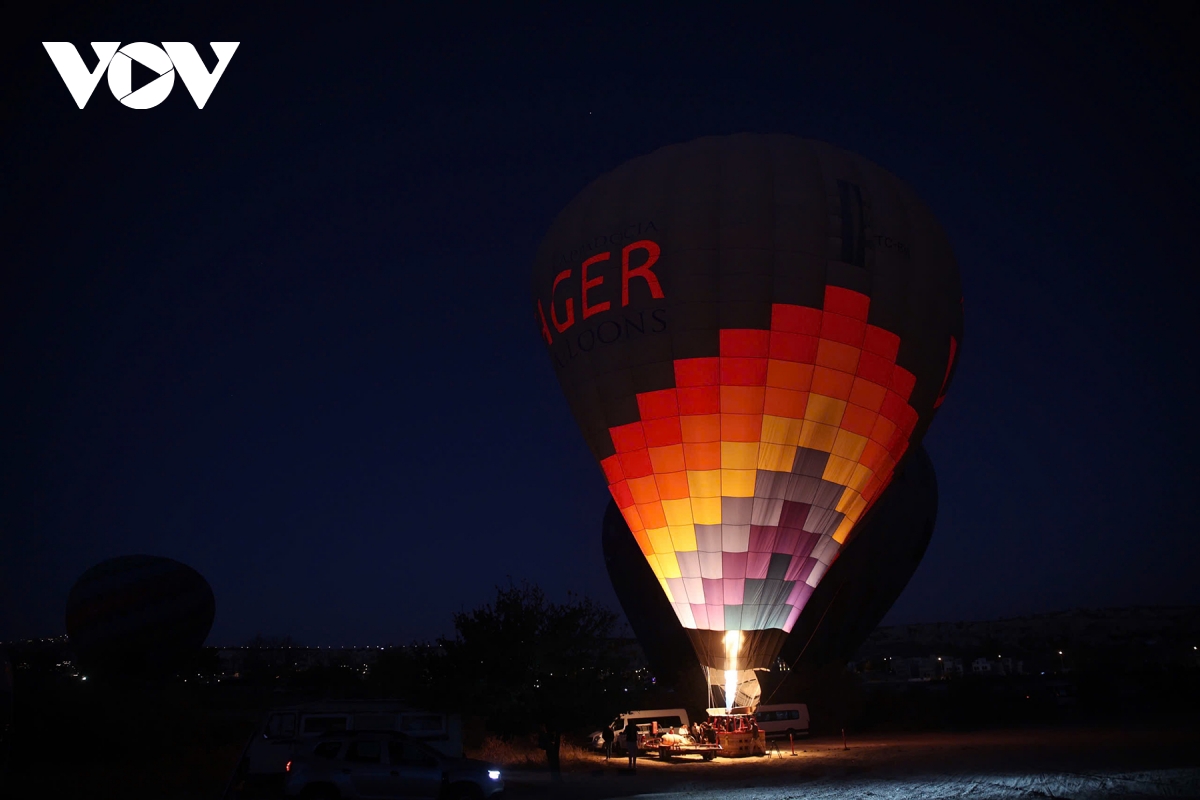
[742, 482]
[751, 331]
[871, 571]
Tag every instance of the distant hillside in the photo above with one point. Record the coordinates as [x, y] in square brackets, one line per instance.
[1176, 627]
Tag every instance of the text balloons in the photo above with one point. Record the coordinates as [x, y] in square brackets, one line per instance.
[136, 617]
[752, 331]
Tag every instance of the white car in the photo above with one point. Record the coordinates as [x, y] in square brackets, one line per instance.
[386, 765]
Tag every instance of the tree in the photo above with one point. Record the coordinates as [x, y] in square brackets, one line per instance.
[523, 661]
[414, 673]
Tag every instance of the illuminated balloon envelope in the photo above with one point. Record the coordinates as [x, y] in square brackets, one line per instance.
[137, 617]
[751, 331]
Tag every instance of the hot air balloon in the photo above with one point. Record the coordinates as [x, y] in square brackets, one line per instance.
[138, 617]
[858, 590]
[751, 331]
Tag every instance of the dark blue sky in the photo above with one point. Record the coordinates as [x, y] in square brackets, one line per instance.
[286, 339]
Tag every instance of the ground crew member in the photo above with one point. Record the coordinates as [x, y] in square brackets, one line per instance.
[631, 744]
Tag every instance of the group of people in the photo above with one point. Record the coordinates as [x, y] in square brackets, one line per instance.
[704, 732]
[630, 734]
[747, 724]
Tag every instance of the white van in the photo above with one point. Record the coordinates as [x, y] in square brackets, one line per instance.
[285, 729]
[665, 717]
[783, 719]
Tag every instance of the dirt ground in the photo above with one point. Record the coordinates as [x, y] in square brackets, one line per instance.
[1147, 761]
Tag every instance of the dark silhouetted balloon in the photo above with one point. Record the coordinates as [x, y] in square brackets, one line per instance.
[752, 332]
[857, 592]
[137, 617]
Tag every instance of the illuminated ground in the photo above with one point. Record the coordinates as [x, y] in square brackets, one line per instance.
[1075, 763]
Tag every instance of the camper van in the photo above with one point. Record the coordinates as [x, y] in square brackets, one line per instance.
[783, 720]
[286, 729]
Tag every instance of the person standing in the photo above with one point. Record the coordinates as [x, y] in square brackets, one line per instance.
[608, 735]
[550, 741]
[631, 744]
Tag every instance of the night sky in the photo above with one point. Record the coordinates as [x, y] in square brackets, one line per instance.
[285, 338]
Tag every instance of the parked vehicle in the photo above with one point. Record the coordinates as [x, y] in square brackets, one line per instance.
[348, 765]
[286, 731]
[678, 742]
[645, 721]
[784, 719]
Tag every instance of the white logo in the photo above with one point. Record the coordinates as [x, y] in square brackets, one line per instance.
[164, 61]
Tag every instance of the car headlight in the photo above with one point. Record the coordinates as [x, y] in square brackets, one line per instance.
[494, 774]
